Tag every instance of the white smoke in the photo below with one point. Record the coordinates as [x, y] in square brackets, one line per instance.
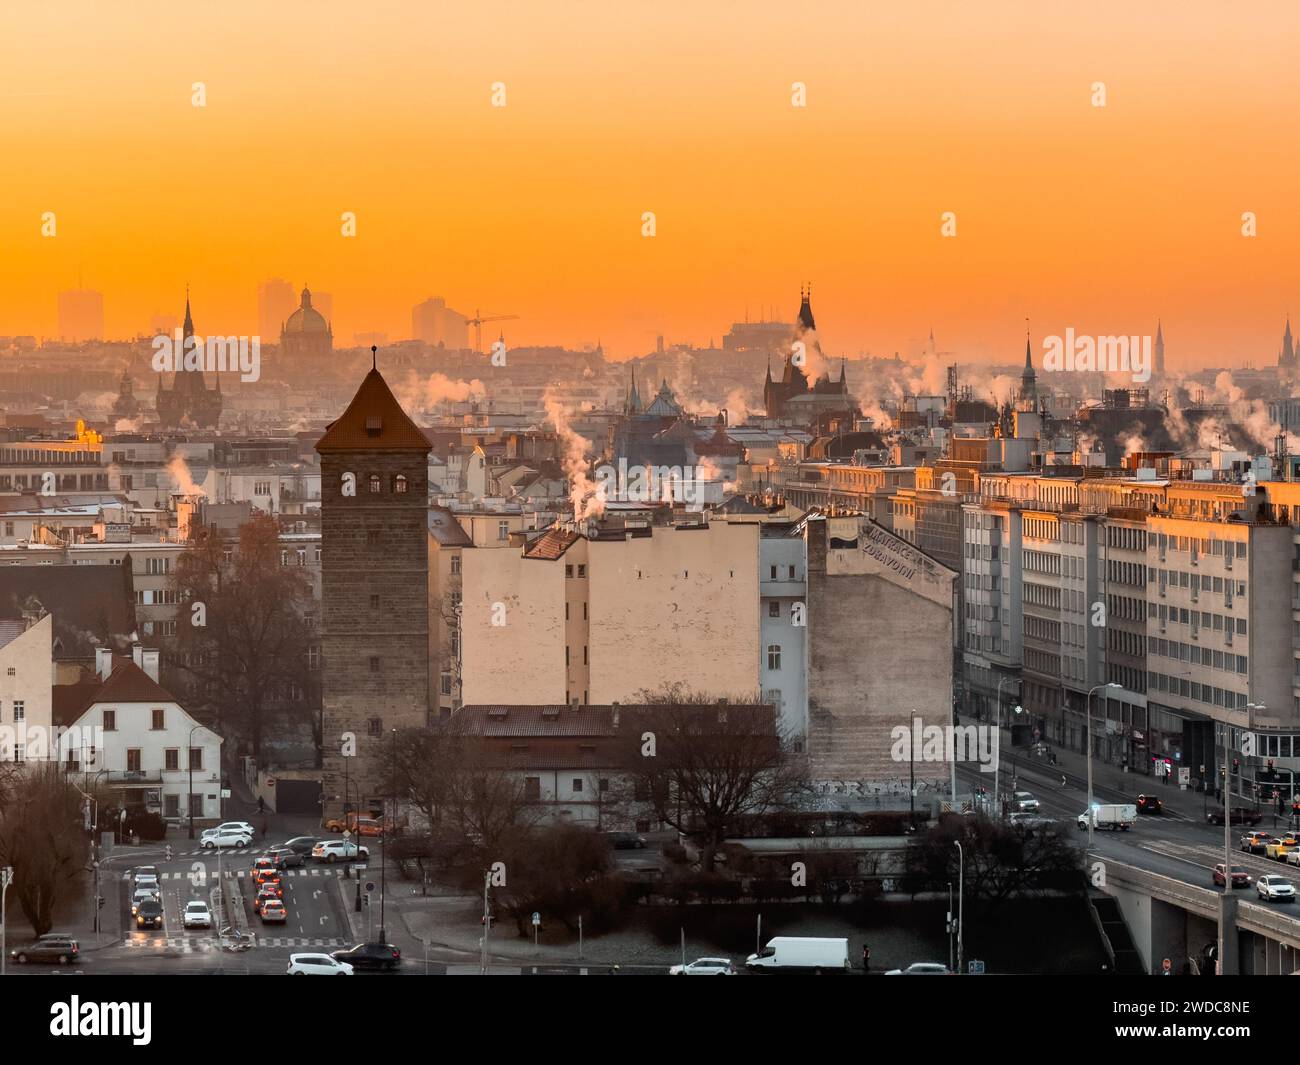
[586, 495]
[180, 471]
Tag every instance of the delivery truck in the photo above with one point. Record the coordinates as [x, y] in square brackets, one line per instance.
[790, 954]
[1115, 816]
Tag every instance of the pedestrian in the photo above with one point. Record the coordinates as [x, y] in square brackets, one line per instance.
[261, 805]
[866, 958]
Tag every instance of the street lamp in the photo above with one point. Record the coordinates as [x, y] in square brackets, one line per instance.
[1088, 710]
[6, 878]
[384, 828]
[189, 755]
[997, 766]
[961, 898]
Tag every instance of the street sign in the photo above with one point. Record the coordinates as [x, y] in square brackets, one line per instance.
[975, 967]
[370, 885]
[537, 919]
[1166, 966]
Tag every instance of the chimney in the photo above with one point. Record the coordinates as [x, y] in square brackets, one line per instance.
[574, 704]
[103, 662]
[614, 720]
[149, 664]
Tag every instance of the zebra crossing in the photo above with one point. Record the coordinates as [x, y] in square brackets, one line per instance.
[206, 944]
[241, 874]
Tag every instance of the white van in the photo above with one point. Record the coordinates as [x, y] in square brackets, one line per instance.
[801, 954]
[1115, 816]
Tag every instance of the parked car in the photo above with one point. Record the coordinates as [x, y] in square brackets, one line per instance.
[197, 914]
[1240, 816]
[339, 850]
[370, 956]
[237, 826]
[225, 837]
[149, 914]
[704, 967]
[316, 965]
[1240, 876]
[1150, 804]
[1275, 889]
[1254, 842]
[922, 968]
[273, 912]
[53, 947]
[625, 841]
[287, 858]
[358, 826]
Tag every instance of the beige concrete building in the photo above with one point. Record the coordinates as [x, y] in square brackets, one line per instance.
[600, 619]
[26, 676]
[880, 633]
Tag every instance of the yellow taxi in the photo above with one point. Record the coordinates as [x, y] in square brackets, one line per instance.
[1278, 847]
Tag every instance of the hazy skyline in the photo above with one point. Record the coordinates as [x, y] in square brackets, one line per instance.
[1096, 218]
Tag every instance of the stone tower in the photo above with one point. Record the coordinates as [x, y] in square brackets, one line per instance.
[374, 587]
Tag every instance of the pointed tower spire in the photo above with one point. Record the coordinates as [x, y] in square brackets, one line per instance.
[1160, 348]
[374, 357]
[1028, 379]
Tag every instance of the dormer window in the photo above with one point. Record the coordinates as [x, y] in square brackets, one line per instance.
[374, 424]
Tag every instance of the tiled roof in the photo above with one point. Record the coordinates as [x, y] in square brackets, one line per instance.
[11, 629]
[128, 683]
[94, 600]
[551, 544]
[374, 421]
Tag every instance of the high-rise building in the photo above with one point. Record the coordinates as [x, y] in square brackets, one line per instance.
[438, 325]
[275, 302]
[374, 586]
[81, 315]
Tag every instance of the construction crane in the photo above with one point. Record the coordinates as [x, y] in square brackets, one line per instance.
[477, 322]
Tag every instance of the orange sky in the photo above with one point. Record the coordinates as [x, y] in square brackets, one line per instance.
[1095, 218]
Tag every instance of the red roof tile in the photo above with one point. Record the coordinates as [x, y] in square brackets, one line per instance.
[551, 544]
[128, 683]
[374, 421]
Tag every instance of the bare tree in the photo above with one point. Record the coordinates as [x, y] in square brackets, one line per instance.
[245, 649]
[703, 763]
[42, 835]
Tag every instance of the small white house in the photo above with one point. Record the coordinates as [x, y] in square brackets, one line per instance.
[127, 733]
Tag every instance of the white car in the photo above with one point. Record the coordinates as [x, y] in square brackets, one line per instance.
[316, 965]
[1293, 856]
[338, 850]
[921, 968]
[1275, 887]
[1024, 802]
[242, 826]
[704, 967]
[225, 837]
[147, 880]
[197, 914]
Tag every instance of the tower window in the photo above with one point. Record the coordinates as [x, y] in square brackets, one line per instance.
[399, 484]
[374, 484]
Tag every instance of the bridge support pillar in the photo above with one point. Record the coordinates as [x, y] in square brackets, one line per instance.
[1229, 964]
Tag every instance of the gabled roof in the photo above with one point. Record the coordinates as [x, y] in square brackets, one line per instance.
[128, 683]
[446, 530]
[374, 421]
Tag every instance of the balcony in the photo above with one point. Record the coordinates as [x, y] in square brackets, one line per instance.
[131, 778]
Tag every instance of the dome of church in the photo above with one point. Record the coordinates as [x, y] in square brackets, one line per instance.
[306, 319]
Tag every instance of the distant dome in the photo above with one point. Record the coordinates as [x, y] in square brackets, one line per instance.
[306, 319]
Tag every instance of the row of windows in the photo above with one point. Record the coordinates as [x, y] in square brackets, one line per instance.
[1123, 608]
[1128, 538]
[1197, 655]
[1200, 619]
[375, 484]
[1195, 582]
[1042, 595]
[1041, 562]
[1201, 693]
[1135, 680]
[1128, 643]
[1133, 573]
[1198, 546]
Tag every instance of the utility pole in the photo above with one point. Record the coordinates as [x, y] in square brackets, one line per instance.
[384, 828]
[487, 922]
[961, 900]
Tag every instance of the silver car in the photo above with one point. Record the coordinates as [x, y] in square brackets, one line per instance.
[704, 967]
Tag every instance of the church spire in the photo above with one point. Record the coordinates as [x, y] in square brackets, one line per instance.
[1028, 379]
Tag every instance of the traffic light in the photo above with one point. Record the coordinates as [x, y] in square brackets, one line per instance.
[168, 852]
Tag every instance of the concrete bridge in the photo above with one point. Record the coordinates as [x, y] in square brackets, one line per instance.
[1169, 918]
